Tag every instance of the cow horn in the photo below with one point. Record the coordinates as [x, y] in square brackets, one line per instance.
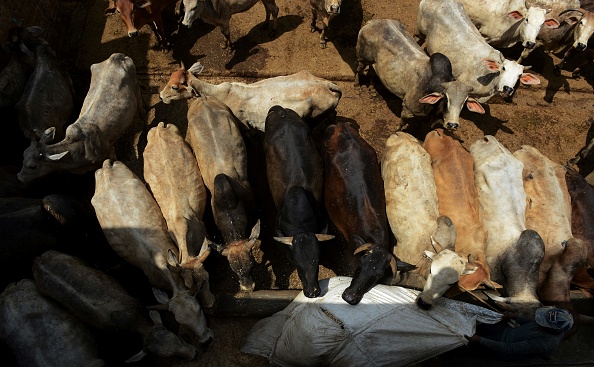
[204, 251]
[182, 65]
[285, 240]
[494, 297]
[570, 10]
[324, 237]
[436, 245]
[364, 247]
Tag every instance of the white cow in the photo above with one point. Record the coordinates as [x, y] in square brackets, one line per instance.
[447, 29]
[135, 228]
[513, 252]
[172, 174]
[301, 92]
[411, 206]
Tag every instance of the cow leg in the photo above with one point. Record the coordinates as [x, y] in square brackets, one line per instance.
[557, 69]
[323, 39]
[314, 19]
[157, 27]
[271, 8]
[525, 53]
[358, 72]
[227, 34]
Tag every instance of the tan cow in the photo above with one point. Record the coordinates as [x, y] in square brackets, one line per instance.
[213, 133]
[458, 199]
[411, 206]
[513, 252]
[135, 228]
[548, 212]
[172, 174]
[301, 92]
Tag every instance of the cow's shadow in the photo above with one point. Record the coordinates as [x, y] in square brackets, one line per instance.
[185, 39]
[343, 30]
[247, 45]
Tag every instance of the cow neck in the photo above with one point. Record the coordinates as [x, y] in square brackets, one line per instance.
[200, 87]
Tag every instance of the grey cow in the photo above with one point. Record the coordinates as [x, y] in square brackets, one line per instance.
[447, 29]
[41, 333]
[326, 10]
[100, 301]
[107, 112]
[414, 77]
[219, 12]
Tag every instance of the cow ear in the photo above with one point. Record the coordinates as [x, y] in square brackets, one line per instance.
[196, 68]
[142, 3]
[491, 65]
[285, 240]
[172, 260]
[431, 98]
[572, 20]
[48, 135]
[474, 106]
[552, 23]
[56, 157]
[255, 231]
[529, 79]
[155, 317]
[515, 15]
[160, 296]
[469, 269]
[110, 10]
[429, 255]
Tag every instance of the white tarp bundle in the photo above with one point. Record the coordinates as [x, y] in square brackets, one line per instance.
[385, 329]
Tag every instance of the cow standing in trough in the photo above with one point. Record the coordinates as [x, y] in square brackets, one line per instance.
[135, 228]
[324, 10]
[174, 179]
[47, 100]
[355, 201]
[504, 23]
[296, 177]
[447, 29]
[582, 224]
[548, 212]
[100, 301]
[301, 92]
[214, 135]
[137, 13]
[418, 80]
[107, 112]
[411, 207]
[41, 333]
[513, 252]
[457, 198]
[219, 12]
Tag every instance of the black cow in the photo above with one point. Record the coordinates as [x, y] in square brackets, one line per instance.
[295, 175]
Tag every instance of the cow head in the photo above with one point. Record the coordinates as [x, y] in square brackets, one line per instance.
[193, 10]
[453, 97]
[332, 7]
[127, 10]
[583, 22]
[532, 22]
[179, 86]
[241, 260]
[446, 268]
[37, 161]
[305, 251]
[160, 341]
[509, 73]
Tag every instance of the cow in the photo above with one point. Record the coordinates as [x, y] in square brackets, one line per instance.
[513, 252]
[418, 80]
[100, 301]
[582, 224]
[587, 5]
[173, 176]
[219, 12]
[324, 10]
[357, 206]
[41, 333]
[576, 28]
[457, 198]
[135, 228]
[30, 226]
[548, 212]
[296, 178]
[48, 98]
[301, 92]
[411, 207]
[504, 23]
[107, 112]
[214, 136]
[447, 29]
[137, 13]
[15, 75]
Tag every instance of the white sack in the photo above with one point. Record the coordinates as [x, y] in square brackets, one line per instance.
[386, 328]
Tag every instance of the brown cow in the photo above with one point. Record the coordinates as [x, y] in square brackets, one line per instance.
[137, 13]
[458, 199]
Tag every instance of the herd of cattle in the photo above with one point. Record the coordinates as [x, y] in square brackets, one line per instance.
[517, 223]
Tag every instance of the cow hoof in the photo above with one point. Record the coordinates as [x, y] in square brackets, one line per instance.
[576, 74]
[313, 28]
[323, 45]
[223, 45]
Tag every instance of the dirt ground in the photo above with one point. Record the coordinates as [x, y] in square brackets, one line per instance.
[555, 116]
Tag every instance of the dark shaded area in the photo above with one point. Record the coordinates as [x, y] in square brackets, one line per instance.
[343, 30]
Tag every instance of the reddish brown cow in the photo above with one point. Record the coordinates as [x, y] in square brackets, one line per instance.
[137, 13]
[458, 199]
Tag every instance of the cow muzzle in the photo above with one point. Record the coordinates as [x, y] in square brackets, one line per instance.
[530, 45]
[507, 91]
[334, 9]
[312, 293]
[581, 47]
[452, 126]
[423, 305]
[133, 34]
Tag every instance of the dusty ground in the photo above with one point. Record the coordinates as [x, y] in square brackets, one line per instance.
[555, 116]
